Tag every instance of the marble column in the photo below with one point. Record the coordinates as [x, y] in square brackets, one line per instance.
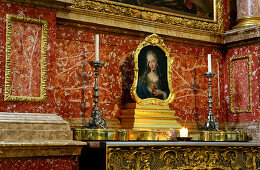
[248, 13]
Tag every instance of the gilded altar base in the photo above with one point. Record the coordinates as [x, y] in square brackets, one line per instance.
[174, 155]
[136, 116]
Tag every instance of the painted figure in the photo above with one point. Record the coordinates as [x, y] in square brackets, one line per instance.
[150, 83]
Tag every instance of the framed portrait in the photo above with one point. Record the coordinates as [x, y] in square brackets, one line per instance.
[152, 83]
[196, 14]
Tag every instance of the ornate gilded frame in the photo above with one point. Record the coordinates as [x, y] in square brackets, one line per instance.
[44, 24]
[152, 40]
[156, 16]
[249, 83]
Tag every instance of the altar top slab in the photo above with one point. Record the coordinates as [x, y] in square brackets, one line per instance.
[192, 143]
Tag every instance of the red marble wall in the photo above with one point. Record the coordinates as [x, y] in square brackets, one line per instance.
[243, 89]
[22, 34]
[65, 66]
[25, 59]
[116, 76]
[55, 163]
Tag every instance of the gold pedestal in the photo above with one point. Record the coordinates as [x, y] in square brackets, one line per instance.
[136, 116]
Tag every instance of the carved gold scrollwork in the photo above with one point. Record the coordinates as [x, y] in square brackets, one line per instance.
[168, 157]
[205, 157]
[138, 159]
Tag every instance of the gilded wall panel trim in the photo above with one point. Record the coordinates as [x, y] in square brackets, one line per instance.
[156, 16]
[231, 80]
[44, 26]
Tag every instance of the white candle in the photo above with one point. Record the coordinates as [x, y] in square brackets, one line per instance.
[96, 47]
[184, 132]
[209, 62]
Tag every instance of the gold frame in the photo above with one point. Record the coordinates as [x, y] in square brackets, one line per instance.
[7, 95]
[156, 16]
[231, 83]
[152, 40]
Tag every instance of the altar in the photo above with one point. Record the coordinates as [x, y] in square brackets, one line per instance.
[110, 84]
[170, 155]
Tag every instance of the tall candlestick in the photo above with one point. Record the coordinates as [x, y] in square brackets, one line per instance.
[209, 62]
[96, 47]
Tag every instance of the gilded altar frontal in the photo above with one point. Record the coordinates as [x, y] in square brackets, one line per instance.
[129, 84]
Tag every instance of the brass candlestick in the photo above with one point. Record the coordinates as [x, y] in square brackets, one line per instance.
[96, 121]
[211, 123]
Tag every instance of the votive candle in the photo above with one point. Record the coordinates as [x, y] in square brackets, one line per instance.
[184, 132]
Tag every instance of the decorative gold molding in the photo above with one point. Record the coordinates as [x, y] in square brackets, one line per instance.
[231, 83]
[156, 16]
[247, 21]
[182, 157]
[152, 40]
[9, 22]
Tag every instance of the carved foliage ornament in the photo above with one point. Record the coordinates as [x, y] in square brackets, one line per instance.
[44, 29]
[183, 158]
[105, 6]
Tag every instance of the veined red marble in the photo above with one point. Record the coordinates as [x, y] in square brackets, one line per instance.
[65, 80]
[69, 163]
[116, 76]
[26, 59]
[240, 84]
[243, 89]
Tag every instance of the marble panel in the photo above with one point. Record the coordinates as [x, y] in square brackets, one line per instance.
[241, 88]
[26, 59]
[253, 50]
[20, 64]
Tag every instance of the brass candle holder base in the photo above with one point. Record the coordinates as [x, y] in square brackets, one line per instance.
[86, 134]
[216, 136]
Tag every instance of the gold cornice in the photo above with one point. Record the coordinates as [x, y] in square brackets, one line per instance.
[118, 15]
[108, 7]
